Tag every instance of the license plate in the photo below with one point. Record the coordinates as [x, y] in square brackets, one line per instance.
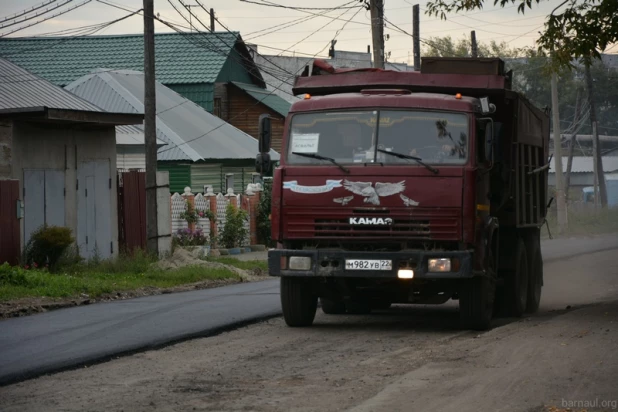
[368, 264]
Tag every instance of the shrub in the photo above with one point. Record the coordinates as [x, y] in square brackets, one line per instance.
[47, 245]
[12, 275]
[191, 215]
[188, 237]
[234, 232]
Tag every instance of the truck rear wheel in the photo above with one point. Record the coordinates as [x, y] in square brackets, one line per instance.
[535, 284]
[515, 291]
[298, 301]
[332, 307]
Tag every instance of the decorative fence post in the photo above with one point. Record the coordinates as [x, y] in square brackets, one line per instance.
[254, 194]
[211, 200]
[189, 204]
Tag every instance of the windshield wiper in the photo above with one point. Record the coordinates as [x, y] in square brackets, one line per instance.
[405, 156]
[320, 157]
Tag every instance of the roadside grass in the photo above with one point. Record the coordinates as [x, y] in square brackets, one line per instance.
[96, 278]
[246, 265]
[587, 222]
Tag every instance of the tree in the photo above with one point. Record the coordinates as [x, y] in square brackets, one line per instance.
[447, 47]
[581, 31]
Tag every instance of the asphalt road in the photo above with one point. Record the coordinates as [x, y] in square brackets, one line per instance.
[68, 338]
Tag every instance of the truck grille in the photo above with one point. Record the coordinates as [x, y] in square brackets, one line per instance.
[442, 224]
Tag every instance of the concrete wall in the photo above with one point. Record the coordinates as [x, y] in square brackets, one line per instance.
[64, 147]
[577, 179]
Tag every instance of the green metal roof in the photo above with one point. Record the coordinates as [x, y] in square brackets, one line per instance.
[181, 58]
[266, 97]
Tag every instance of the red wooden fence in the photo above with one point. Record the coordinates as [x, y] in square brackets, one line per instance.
[9, 224]
[132, 210]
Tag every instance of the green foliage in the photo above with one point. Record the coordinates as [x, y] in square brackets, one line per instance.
[12, 276]
[447, 47]
[47, 245]
[234, 232]
[263, 214]
[581, 30]
[192, 216]
[240, 264]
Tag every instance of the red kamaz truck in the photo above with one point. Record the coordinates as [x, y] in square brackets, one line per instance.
[409, 187]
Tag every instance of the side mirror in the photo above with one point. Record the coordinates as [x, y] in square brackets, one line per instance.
[264, 133]
[486, 107]
[263, 164]
[486, 155]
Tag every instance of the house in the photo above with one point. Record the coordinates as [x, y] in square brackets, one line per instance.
[59, 152]
[200, 149]
[582, 170]
[214, 70]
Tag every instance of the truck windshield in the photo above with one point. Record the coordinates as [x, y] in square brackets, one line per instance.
[354, 137]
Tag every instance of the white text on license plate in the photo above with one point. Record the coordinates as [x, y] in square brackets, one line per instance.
[368, 264]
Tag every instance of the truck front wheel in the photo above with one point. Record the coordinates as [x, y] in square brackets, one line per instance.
[299, 301]
[516, 283]
[476, 302]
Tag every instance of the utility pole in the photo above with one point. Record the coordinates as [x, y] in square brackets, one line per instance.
[377, 32]
[150, 139]
[596, 147]
[474, 46]
[212, 20]
[567, 183]
[416, 36]
[560, 199]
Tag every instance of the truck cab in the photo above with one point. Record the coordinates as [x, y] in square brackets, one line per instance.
[392, 187]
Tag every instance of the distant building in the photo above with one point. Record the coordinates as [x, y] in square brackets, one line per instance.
[200, 148]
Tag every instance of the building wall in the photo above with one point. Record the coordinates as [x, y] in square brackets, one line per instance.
[55, 147]
[224, 102]
[246, 113]
[201, 94]
[6, 148]
[130, 157]
[577, 179]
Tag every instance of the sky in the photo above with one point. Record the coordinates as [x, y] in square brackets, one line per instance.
[306, 37]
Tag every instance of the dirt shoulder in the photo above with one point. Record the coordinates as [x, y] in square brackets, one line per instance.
[399, 360]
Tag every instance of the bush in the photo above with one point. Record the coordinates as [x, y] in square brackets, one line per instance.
[188, 237]
[47, 245]
[263, 215]
[12, 275]
[234, 232]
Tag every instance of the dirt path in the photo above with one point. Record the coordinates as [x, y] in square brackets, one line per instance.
[405, 359]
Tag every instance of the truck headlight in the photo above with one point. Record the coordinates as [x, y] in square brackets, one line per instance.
[299, 263]
[440, 265]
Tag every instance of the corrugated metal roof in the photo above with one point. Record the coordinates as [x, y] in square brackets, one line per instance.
[180, 57]
[266, 97]
[584, 164]
[20, 89]
[190, 132]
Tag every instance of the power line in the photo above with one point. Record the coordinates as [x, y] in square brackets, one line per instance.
[271, 4]
[47, 18]
[55, 7]
[27, 11]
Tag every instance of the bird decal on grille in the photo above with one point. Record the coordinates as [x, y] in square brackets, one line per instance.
[371, 193]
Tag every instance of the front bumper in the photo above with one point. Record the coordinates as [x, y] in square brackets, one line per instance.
[335, 263]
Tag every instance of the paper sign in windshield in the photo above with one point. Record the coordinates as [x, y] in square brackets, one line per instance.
[305, 143]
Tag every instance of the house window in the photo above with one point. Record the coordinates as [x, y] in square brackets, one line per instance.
[217, 107]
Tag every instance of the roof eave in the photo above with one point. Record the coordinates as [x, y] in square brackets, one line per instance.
[77, 116]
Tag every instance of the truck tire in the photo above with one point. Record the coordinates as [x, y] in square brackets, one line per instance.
[515, 292]
[476, 303]
[332, 307]
[298, 301]
[535, 274]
